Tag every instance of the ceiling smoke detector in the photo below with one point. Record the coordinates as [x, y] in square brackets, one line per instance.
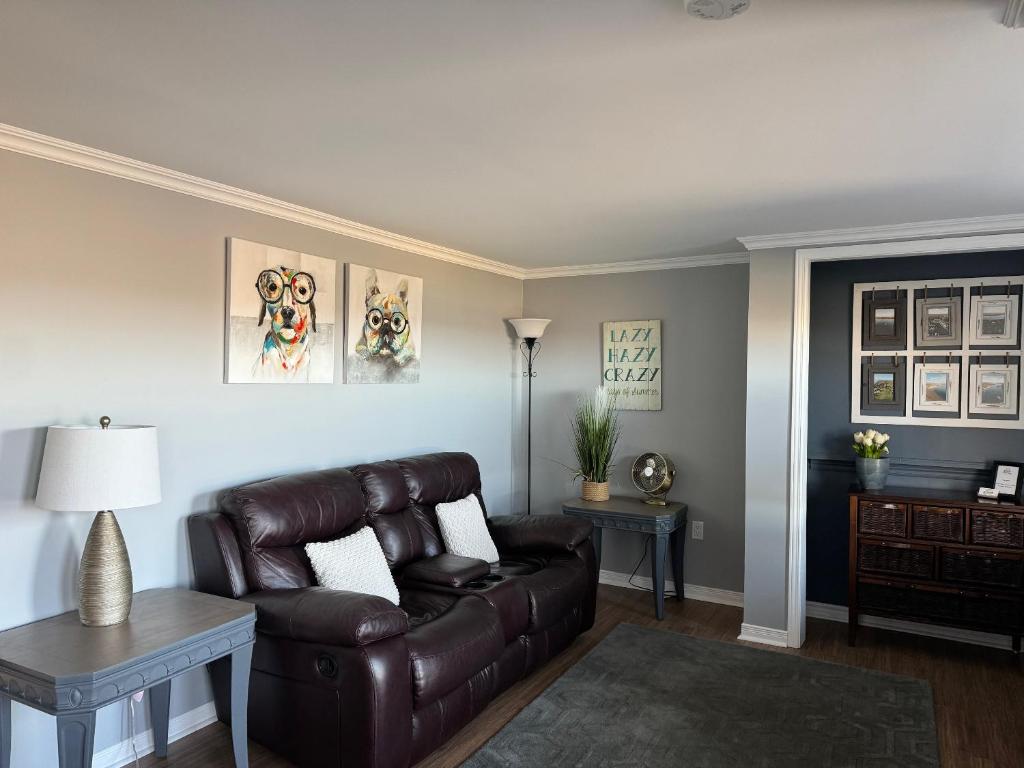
[716, 10]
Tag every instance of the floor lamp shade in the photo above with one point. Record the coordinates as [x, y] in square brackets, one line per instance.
[529, 327]
[101, 469]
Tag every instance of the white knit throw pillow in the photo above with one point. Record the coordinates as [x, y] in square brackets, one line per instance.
[354, 563]
[464, 529]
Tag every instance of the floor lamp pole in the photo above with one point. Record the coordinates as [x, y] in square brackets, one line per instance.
[530, 349]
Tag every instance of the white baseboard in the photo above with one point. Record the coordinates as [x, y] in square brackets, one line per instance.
[120, 754]
[839, 613]
[690, 591]
[751, 633]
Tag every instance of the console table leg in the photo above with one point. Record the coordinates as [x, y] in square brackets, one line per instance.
[659, 548]
[160, 713]
[5, 731]
[241, 661]
[596, 538]
[678, 541]
[75, 733]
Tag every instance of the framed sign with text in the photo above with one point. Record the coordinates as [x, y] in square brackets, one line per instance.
[631, 363]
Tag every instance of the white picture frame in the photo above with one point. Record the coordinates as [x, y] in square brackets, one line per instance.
[994, 389]
[995, 320]
[937, 387]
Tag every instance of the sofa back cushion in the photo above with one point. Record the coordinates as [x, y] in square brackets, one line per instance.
[401, 496]
[275, 519]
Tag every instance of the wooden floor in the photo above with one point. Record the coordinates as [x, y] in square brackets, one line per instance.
[979, 692]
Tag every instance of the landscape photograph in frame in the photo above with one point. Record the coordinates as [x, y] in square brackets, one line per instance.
[994, 390]
[937, 387]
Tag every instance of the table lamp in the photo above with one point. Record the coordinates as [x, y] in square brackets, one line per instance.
[101, 468]
[529, 329]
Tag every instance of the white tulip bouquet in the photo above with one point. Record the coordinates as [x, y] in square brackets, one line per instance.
[871, 444]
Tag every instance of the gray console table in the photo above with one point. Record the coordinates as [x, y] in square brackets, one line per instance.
[61, 667]
[667, 525]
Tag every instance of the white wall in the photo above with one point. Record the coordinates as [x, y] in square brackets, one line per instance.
[114, 304]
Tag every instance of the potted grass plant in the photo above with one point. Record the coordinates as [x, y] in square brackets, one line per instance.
[595, 433]
[872, 449]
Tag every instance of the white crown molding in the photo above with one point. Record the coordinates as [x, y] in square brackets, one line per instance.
[911, 231]
[68, 153]
[1014, 17]
[642, 265]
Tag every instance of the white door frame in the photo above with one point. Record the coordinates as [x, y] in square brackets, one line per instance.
[796, 587]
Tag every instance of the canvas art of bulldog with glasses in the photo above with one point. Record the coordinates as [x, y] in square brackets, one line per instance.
[384, 324]
[281, 315]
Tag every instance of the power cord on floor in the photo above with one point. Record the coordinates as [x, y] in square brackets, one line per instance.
[643, 556]
[131, 728]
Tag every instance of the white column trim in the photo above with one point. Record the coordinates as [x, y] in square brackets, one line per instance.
[797, 512]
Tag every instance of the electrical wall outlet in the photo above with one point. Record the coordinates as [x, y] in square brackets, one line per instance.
[698, 530]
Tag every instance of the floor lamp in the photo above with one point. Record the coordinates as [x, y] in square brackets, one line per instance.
[529, 329]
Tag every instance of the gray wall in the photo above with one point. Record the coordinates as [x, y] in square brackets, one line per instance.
[115, 305]
[921, 456]
[769, 381]
[700, 426]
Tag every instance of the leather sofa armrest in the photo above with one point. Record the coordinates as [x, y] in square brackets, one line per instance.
[328, 616]
[539, 533]
[215, 555]
[446, 570]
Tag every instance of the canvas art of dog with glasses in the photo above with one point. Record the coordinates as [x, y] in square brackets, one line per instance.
[384, 326]
[281, 315]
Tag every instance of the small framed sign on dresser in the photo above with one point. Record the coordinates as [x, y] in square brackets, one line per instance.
[939, 557]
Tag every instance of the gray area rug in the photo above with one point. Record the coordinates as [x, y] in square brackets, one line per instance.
[651, 698]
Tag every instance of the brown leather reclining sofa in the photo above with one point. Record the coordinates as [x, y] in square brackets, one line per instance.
[348, 679]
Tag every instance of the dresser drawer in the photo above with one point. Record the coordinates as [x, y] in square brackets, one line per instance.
[882, 519]
[937, 523]
[996, 529]
[969, 566]
[899, 559]
[941, 604]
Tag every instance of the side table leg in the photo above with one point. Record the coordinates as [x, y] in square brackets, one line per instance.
[5, 731]
[659, 548]
[75, 733]
[597, 547]
[160, 713]
[241, 661]
[678, 542]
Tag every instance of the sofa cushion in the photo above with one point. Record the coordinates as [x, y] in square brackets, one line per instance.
[406, 531]
[275, 519]
[464, 529]
[422, 606]
[450, 649]
[439, 477]
[555, 591]
[354, 563]
[445, 570]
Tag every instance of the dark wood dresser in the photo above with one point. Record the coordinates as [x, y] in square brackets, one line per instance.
[939, 557]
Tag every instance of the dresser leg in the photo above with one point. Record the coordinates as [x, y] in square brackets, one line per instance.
[241, 661]
[5, 731]
[160, 713]
[75, 734]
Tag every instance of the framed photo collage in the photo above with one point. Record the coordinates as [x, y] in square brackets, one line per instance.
[940, 353]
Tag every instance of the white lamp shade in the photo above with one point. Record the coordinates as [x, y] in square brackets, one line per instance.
[93, 469]
[529, 327]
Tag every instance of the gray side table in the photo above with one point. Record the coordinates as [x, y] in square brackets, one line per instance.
[667, 525]
[68, 670]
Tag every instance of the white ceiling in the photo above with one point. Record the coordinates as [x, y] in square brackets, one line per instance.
[546, 132]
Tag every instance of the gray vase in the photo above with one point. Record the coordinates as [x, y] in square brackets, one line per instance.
[872, 473]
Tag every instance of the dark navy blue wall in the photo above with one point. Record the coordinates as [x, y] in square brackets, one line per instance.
[922, 456]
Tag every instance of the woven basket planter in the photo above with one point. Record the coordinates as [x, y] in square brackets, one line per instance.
[595, 491]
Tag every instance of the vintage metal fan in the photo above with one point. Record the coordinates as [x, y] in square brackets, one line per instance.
[653, 474]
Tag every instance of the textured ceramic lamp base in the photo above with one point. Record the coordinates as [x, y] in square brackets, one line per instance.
[105, 577]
